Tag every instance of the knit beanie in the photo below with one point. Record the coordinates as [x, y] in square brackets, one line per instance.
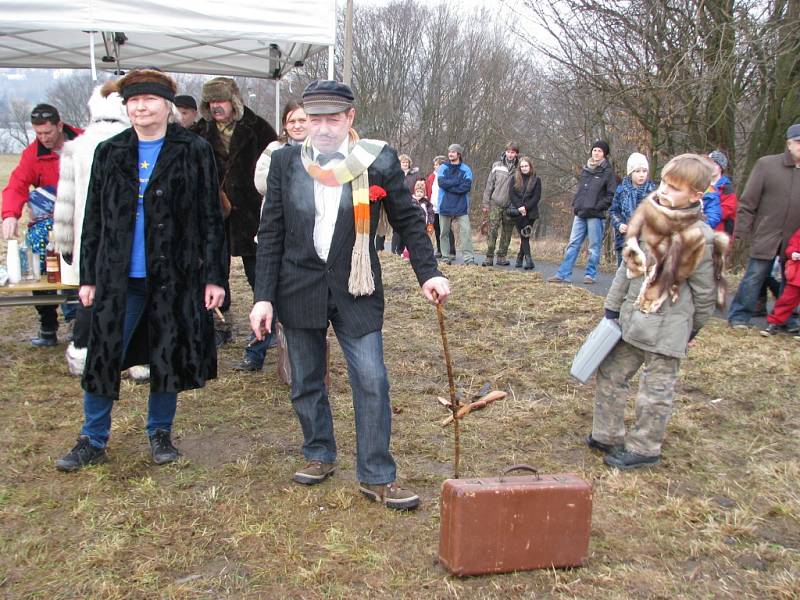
[220, 89]
[603, 145]
[719, 158]
[456, 148]
[636, 161]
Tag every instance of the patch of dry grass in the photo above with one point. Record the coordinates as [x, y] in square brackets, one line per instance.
[719, 518]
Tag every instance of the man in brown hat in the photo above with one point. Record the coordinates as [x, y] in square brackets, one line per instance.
[317, 265]
[150, 266]
[238, 137]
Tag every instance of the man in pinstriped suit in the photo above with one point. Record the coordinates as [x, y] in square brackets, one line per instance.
[316, 265]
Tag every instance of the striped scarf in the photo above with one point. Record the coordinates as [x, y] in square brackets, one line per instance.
[352, 169]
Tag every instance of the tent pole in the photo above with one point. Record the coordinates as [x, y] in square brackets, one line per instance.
[278, 124]
[91, 56]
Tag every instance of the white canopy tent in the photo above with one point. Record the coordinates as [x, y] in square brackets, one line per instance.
[255, 38]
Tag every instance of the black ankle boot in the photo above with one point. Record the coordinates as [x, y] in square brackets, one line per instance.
[518, 264]
[529, 263]
[45, 339]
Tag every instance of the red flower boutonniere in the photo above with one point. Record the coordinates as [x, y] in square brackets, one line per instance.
[376, 193]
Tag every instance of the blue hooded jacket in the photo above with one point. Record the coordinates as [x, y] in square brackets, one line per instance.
[455, 183]
[712, 207]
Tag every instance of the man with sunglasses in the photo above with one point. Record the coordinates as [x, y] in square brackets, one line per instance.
[38, 168]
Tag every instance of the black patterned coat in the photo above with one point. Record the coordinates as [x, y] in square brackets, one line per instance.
[184, 240]
[236, 169]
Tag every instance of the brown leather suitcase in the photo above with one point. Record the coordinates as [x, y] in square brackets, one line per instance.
[514, 523]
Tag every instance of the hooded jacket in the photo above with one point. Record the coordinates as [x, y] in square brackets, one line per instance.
[497, 185]
[455, 183]
[595, 191]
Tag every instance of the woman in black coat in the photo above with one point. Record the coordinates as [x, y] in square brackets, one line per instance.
[524, 195]
[151, 265]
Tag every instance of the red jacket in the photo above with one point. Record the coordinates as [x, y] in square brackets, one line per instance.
[728, 204]
[792, 269]
[429, 183]
[37, 167]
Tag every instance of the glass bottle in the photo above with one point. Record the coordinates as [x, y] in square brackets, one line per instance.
[52, 264]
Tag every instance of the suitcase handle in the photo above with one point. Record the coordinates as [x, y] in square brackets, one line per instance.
[518, 468]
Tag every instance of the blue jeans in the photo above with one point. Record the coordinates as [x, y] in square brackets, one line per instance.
[580, 229]
[97, 408]
[370, 386]
[744, 302]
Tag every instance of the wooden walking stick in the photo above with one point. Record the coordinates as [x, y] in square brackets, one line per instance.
[453, 400]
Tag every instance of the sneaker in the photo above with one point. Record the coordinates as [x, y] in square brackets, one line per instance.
[626, 460]
[487, 262]
[588, 280]
[793, 328]
[518, 264]
[45, 339]
[161, 447]
[556, 279]
[438, 255]
[502, 262]
[247, 364]
[81, 455]
[740, 326]
[390, 494]
[604, 448]
[314, 472]
[447, 261]
[772, 329]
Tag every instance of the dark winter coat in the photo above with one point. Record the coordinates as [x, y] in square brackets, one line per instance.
[769, 209]
[528, 196]
[290, 273]
[411, 178]
[184, 242]
[595, 191]
[236, 168]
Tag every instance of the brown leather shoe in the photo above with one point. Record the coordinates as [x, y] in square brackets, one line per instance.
[314, 472]
[390, 494]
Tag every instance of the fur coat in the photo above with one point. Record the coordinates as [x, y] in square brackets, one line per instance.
[108, 119]
[236, 169]
[184, 241]
[674, 244]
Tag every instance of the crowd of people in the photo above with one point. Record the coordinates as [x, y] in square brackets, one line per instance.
[157, 195]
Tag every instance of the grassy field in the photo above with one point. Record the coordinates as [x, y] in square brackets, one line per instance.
[719, 518]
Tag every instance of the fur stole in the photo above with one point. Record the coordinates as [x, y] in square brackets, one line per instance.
[674, 244]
